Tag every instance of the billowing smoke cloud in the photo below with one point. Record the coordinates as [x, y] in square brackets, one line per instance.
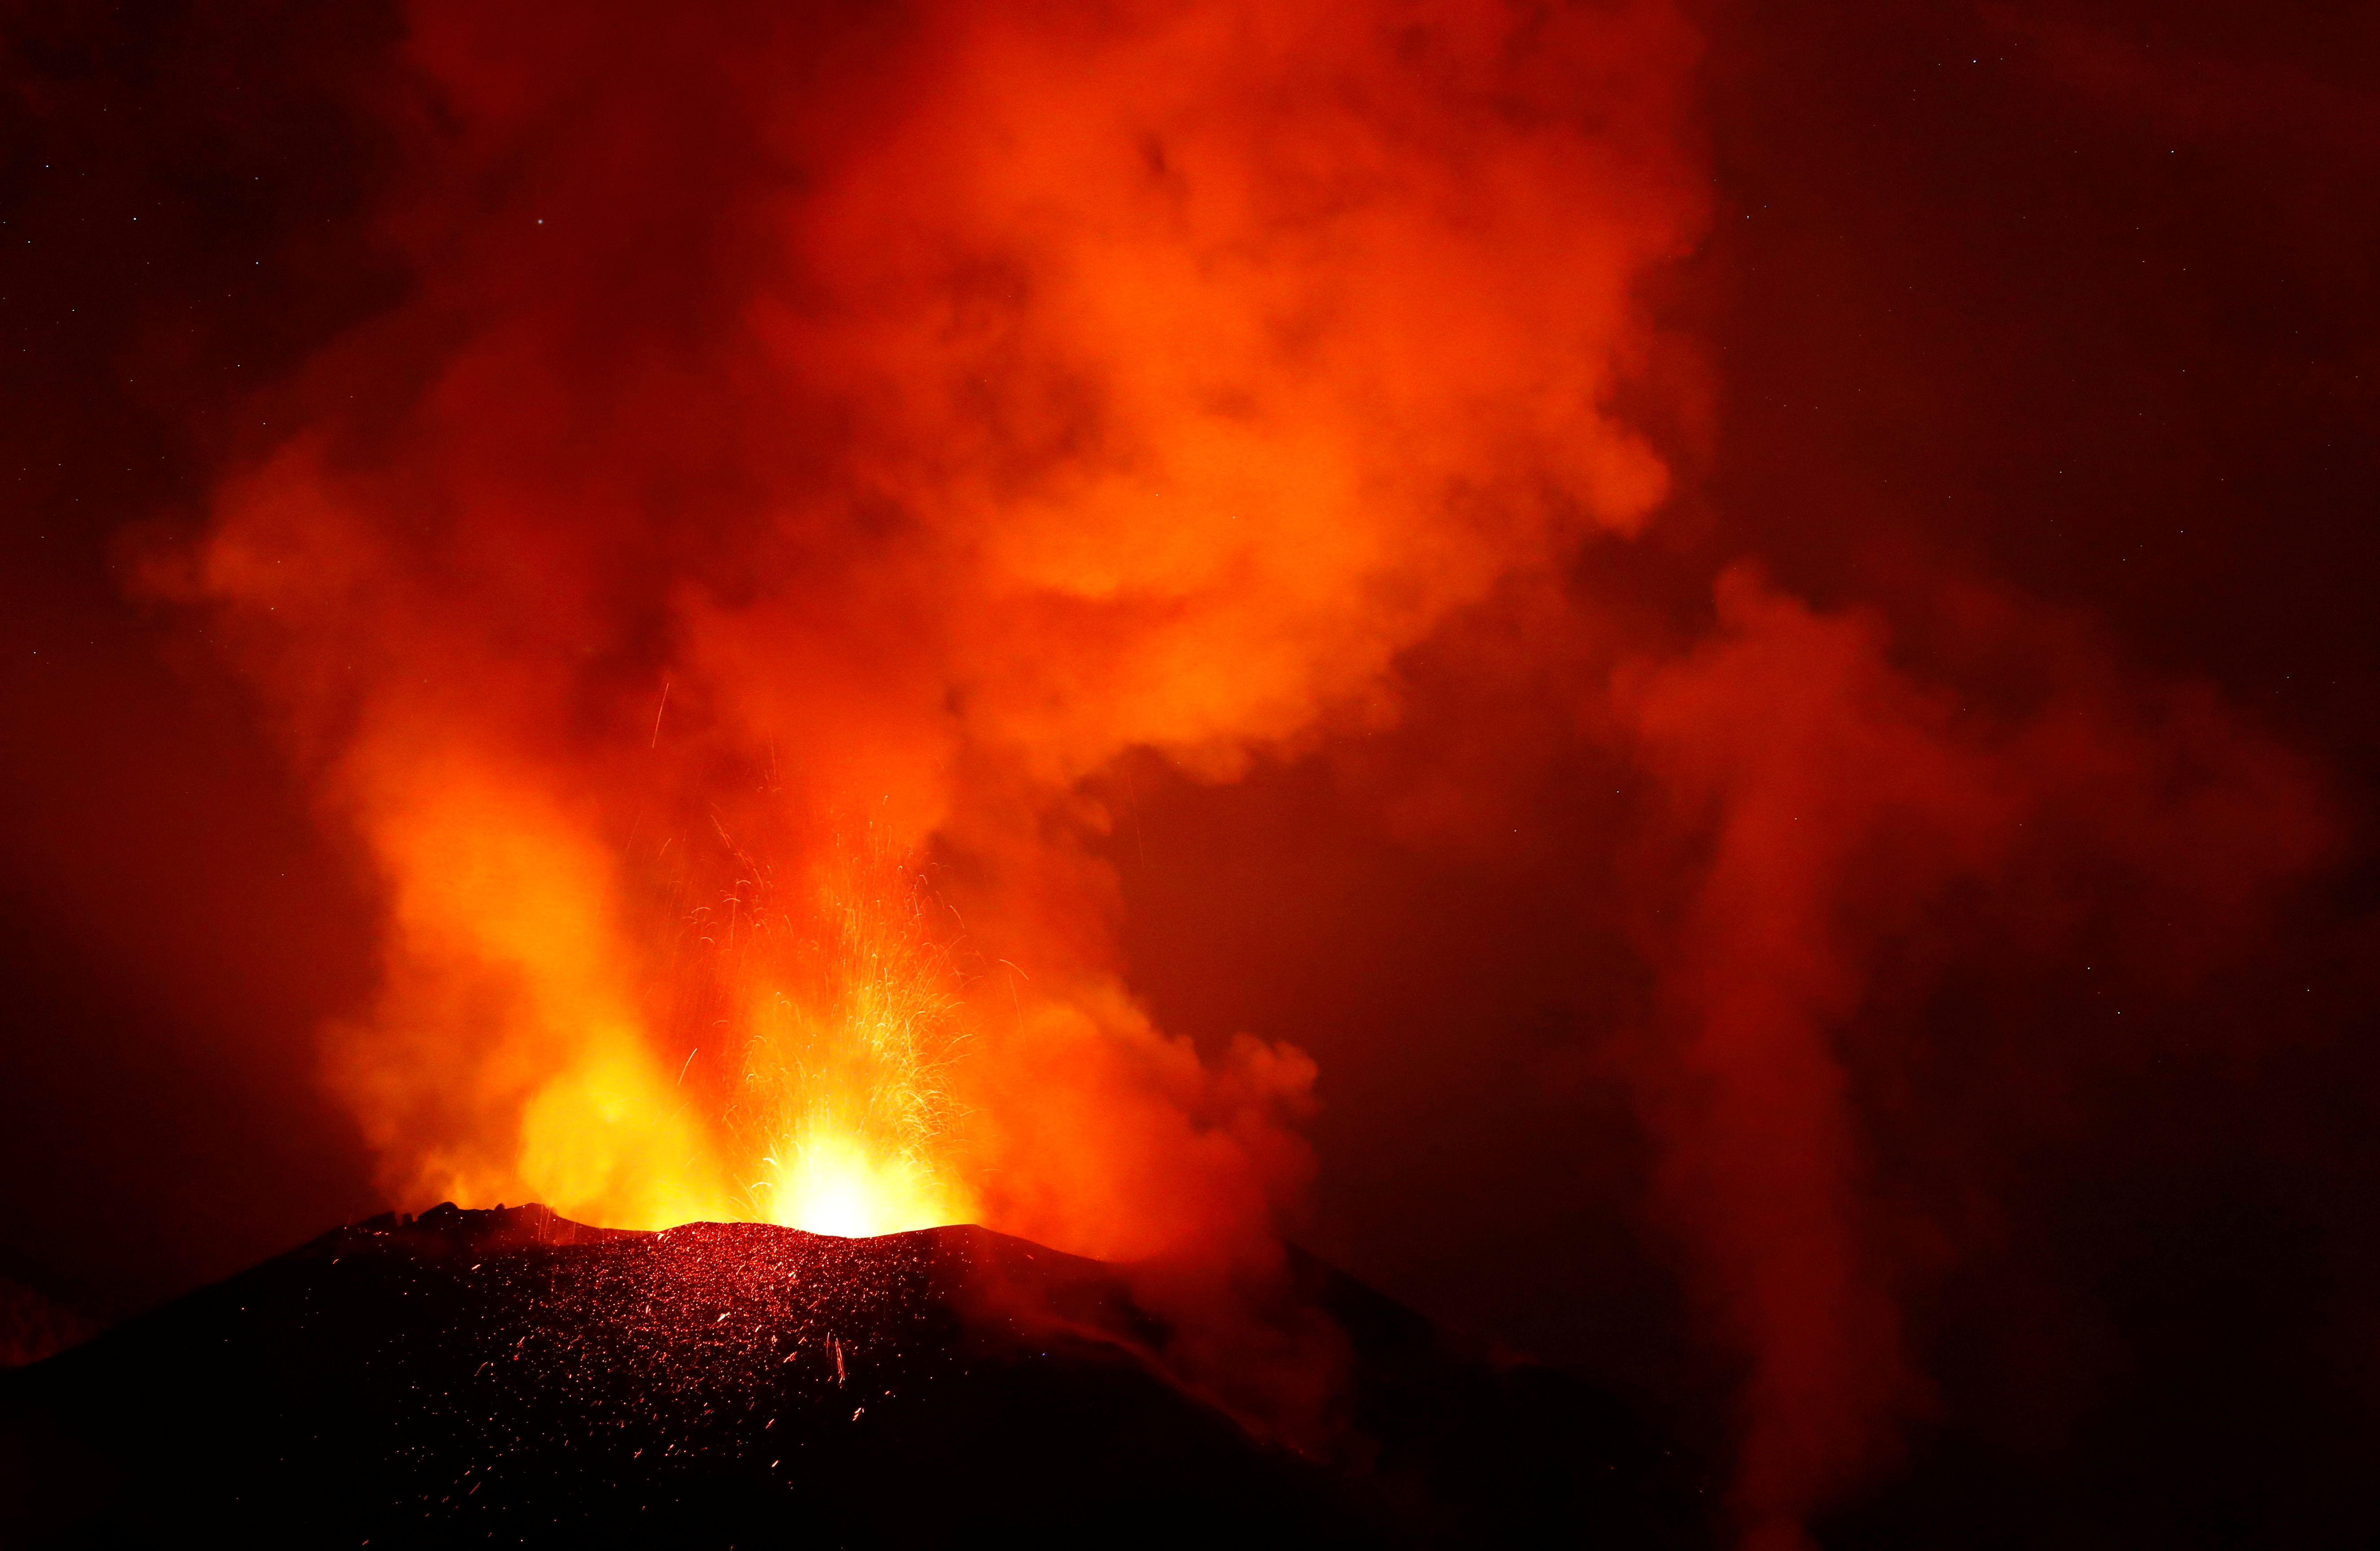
[815, 442]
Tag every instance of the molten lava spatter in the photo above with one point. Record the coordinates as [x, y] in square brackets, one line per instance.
[849, 1012]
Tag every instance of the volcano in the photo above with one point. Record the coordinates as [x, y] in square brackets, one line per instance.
[509, 1377]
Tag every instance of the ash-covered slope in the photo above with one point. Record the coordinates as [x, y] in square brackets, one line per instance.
[507, 1376]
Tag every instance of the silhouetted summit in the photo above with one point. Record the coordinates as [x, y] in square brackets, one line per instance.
[508, 1377]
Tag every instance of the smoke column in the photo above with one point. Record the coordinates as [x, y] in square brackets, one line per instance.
[1830, 804]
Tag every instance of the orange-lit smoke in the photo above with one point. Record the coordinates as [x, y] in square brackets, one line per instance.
[1831, 803]
[816, 439]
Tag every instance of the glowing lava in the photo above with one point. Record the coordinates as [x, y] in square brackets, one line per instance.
[833, 1184]
[840, 1091]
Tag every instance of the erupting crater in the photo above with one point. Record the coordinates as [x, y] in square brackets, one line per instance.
[508, 1375]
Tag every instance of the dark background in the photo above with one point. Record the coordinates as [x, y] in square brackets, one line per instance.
[2073, 299]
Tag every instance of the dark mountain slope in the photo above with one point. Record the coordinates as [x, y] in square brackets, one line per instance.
[508, 1378]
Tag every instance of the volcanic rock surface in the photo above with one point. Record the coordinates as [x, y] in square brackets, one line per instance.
[507, 1376]
[41, 1313]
